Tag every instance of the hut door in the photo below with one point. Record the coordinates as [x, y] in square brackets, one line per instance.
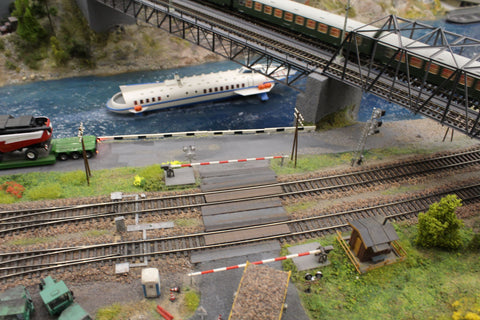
[356, 246]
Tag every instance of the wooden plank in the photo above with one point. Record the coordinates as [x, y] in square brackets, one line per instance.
[240, 206]
[243, 194]
[239, 235]
[244, 218]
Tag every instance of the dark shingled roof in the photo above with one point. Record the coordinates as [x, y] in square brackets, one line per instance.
[374, 233]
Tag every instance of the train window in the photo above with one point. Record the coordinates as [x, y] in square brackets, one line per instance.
[135, 102]
[258, 6]
[469, 80]
[323, 28]
[267, 10]
[335, 32]
[278, 13]
[311, 24]
[416, 62]
[288, 16]
[477, 87]
[446, 73]
[400, 56]
[248, 4]
[299, 20]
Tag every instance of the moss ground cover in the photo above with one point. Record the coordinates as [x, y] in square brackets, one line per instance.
[429, 284]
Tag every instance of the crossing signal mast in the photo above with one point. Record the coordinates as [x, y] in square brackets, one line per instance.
[371, 127]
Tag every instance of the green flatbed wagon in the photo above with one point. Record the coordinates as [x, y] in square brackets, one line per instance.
[72, 147]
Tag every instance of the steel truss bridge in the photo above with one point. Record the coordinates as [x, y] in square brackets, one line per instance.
[448, 107]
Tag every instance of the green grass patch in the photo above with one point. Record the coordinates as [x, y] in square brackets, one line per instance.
[95, 233]
[426, 285]
[191, 300]
[186, 222]
[30, 241]
[403, 189]
[57, 185]
[144, 309]
[300, 206]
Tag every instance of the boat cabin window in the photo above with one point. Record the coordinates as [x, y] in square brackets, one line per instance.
[238, 86]
[221, 88]
[153, 99]
[226, 87]
[243, 85]
[210, 90]
[204, 90]
[135, 102]
[159, 98]
[141, 101]
[216, 89]
[148, 100]
[186, 93]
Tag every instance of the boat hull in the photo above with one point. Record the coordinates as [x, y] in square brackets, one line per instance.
[190, 90]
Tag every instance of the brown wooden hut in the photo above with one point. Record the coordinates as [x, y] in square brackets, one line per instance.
[371, 239]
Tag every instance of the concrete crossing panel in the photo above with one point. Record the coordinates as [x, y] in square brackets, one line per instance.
[240, 235]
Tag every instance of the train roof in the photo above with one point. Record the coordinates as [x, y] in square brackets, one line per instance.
[313, 13]
[439, 54]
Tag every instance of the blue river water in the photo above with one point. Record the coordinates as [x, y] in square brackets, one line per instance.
[67, 102]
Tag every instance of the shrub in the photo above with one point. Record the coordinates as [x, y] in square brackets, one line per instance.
[439, 226]
[475, 242]
[153, 178]
[45, 191]
[13, 188]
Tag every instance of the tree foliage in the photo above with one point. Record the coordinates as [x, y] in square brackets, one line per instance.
[29, 29]
[440, 226]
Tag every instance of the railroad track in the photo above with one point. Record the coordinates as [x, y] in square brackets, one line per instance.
[14, 222]
[35, 263]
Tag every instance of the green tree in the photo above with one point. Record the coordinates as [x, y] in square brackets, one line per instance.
[440, 226]
[29, 29]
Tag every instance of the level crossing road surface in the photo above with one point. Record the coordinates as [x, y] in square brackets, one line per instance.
[126, 153]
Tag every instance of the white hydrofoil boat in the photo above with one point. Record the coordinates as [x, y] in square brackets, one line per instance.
[138, 98]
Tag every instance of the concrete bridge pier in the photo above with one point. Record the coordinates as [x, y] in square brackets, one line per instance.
[101, 17]
[324, 96]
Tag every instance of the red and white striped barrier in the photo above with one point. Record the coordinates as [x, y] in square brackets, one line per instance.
[225, 161]
[295, 255]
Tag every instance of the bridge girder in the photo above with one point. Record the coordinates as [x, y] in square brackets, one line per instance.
[414, 93]
[219, 41]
